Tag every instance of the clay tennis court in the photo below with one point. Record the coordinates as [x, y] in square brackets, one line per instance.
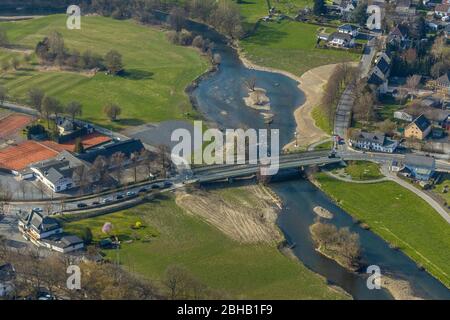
[88, 141]
[20, 156]
[12, 124]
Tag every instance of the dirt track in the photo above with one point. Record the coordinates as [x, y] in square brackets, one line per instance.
[246, 215]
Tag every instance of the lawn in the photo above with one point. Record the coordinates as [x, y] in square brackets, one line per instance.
[170, 236]
[400, 217]
[156, 71]
[290, 46]
[322, 120]
[327, 145]
[363, 170]
[254, 10]
[439, 188]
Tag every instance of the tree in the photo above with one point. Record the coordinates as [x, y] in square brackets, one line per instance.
[50, 105]
[112, 111]
[36, 97]
[250, 83]
[387, 126]
[74, 108]
[3, 38]
[177, 18]
[3, 94]
[79, 148]
[359, 15]
[118, 165]
[15, 63]
[319, 7]
[113, 62]
[87, 235]
[164, 159]
[135, 158]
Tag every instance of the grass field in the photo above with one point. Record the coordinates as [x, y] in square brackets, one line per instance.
[152, 90]
[322, 120]
[363, 170]
[254, 10]
[400, 217]
[170, 236]
[290, 46]
[439, 188]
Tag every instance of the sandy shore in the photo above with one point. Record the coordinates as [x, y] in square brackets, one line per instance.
[311, 83]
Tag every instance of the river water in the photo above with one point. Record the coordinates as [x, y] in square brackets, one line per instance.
[219, 98]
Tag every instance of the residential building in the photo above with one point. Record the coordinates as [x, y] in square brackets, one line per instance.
[404, 7]
[7, 276]
[346, 6]
[442, 10]
[380, 72]
[127, 147]
[444, 81]
[57, 173]
[419, 167]
[373, 142]
[348, 29]
[402, 115]
[398, 35]
[418, 129]
[46, 232]
[35, 226]
[65, 126]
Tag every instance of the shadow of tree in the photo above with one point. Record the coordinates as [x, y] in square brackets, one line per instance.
[134, 74]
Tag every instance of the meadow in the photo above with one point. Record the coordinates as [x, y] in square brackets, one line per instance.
[171, 237]
[400, 217]
[151, 89]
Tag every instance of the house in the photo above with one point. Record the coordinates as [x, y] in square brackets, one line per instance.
[348, 29]
[402, 115]
[46, 232]
[418, 129]
[57, 173]
[373, 142]
[127, 147]
[7, 276]
[346, 6]
[404, 7]
[444, 81]
[35, 226]
[64, 243]
[380, 72]
[442, 10]
[419, 167]
[447, 31]
[65, 126]
[398, 35]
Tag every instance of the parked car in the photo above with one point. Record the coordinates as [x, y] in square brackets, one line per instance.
[168, 184]
[143, 190]
[37, 209]
[106, 200]
[95, 203]
[119, 196]
[131, 193]
[81, 205]
[156, 186]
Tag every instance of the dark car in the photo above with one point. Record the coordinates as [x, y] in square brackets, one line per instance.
[143, 190]
[119, 196]
[81, 205]
[95, 203]
[156, 186]
[168, 184]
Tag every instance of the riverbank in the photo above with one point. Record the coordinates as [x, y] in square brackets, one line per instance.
[311, 83]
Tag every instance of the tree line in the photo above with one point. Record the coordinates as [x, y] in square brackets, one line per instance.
[52, 51]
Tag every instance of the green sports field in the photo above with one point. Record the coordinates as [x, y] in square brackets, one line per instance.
[152, 90]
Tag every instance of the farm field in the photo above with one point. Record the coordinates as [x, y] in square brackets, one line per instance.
[170, 236]
[151, 90]
[400, 217]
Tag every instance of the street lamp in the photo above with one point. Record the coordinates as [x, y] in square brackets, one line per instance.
[295, 135]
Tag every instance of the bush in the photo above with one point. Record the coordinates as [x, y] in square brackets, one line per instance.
[173, 37]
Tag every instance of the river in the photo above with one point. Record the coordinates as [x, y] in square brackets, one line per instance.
[220, 98]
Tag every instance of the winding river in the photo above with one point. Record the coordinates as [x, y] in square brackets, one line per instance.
[219, 97]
